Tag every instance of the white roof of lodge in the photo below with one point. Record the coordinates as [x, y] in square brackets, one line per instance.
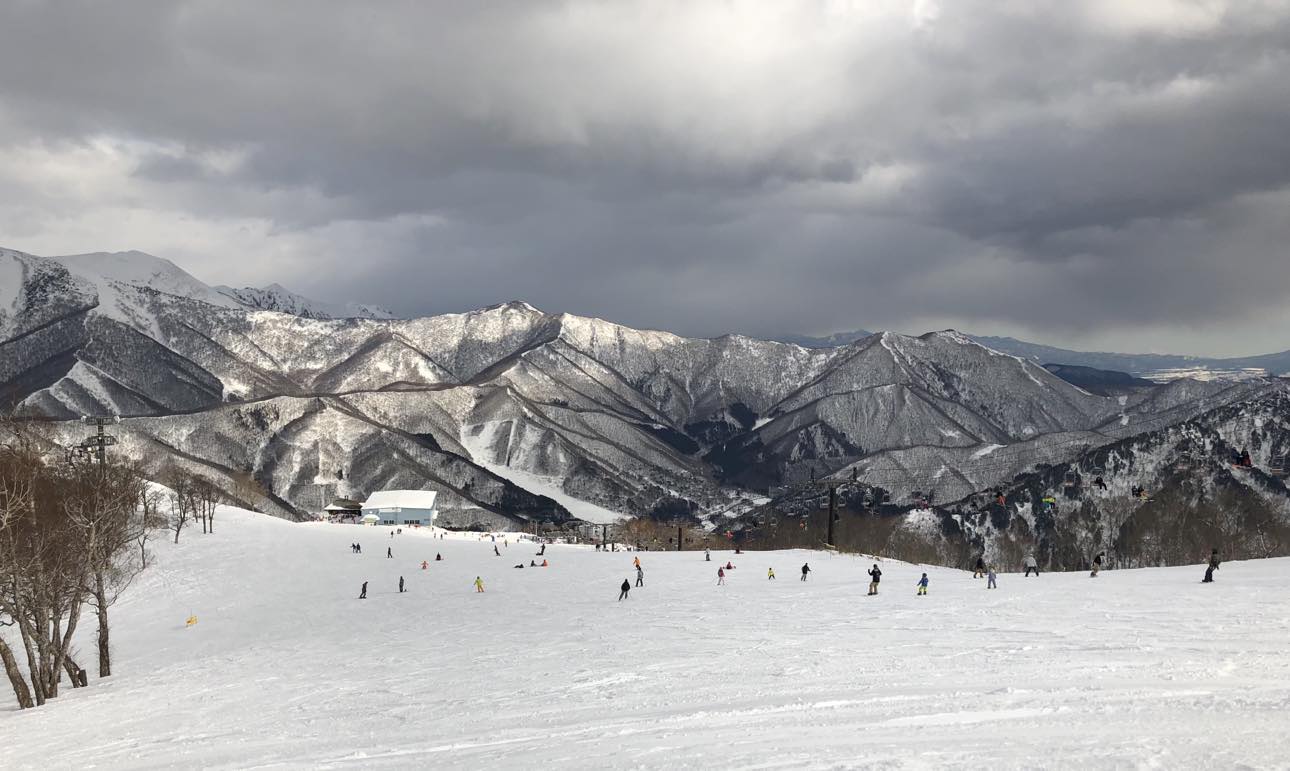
[401, 499]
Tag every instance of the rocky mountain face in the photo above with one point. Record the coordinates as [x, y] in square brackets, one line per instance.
[516, 415]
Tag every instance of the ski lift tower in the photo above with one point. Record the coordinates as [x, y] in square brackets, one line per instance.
[99, 441]
[832, 486]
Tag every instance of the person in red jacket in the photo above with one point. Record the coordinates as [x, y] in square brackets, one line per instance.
[721, 576]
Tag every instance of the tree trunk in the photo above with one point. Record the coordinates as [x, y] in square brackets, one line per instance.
[101, 606]
[74, 671]
[20, 689]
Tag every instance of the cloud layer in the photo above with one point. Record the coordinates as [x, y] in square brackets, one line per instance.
[1099, 173]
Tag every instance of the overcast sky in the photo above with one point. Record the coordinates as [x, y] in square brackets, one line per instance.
[1111, 174]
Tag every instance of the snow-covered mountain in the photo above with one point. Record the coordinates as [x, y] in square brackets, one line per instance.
[276, 297]
[1152, 366]
[515, 414]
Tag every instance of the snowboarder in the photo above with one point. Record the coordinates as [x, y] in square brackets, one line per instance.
[479, 585]
[438, 557]
[358, 547]
[1100, 483]
[989, 575]
[400, 584]
[1097, 564]
[1213, 565]
[922, 585]
[636, 562]
[495, 551]
[770, 574]
[362, 594]
[721, 576]
[623, 590]
[389, 552]
[729, 566]
[542, 551]
[1031, 564]
[640, 576]
[980, 568]
[707, 556]
[805, 569]
[875, 575]
[391, 533]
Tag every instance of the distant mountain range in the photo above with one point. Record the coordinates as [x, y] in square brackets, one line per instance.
[518, 416]
[1153, 366]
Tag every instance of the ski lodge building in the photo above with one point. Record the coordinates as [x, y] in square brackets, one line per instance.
[400, 507]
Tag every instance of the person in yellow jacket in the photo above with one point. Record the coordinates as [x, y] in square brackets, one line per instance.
[479, 584]
[770, 574]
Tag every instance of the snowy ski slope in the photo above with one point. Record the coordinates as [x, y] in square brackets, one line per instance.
[286, 668]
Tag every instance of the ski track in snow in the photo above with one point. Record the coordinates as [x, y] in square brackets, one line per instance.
[285, 668]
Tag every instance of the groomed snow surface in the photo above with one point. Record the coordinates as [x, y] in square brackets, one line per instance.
[286, 668]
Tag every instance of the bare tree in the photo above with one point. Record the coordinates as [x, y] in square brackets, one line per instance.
[206, 497]
[183, 501]
[103, 503]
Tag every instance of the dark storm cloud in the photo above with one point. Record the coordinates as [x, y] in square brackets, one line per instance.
[1071, 169]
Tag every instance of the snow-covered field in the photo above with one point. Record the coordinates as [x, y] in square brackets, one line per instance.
[285, 667]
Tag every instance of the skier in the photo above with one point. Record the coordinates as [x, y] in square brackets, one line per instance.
[400, 584]
[1031, 564]
[358, 547]
[391, 533]
[922, 585]
[805, 569]
[1097, 564]
[707, 556]
[640, 576]
[770, 574]
[623, 590]
[362, 594]
[875, 576]
[721, 576]
[1213, 565]
[989, 574]
[980, 568]
[389, 552]
[479, 585]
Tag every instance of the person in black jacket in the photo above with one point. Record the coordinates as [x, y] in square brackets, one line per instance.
[980, 568]
[805, 569]
[1213, 565]
[624, 589]
[1097, 564]
[875, 576]
[400, 584]
[363, 594]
